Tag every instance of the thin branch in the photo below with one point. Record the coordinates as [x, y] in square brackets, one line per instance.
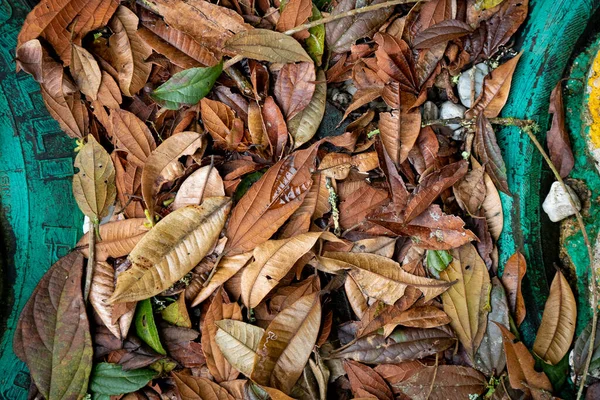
[346, 14]
[521, 123]
[89, 270]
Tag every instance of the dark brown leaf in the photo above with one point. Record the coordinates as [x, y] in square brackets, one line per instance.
[557, 138]
[294, 87]
[367, 383]
[512, 278]
[441, 32]
[503, 24]
[443, 382]
[489, 154]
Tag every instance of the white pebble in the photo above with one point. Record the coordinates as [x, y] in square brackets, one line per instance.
[464, 83]
[557, 204]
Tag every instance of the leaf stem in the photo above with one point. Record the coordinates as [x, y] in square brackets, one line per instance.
[346, 14]
[89, 270]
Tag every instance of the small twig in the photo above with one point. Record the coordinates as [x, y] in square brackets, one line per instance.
[346, 14]
[234, 60]
[521, 123]
[89, 271]
[240, 80]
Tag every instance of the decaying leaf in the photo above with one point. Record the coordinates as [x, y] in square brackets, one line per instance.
[557, 138]
[512, 278]
[295, 87]
[171, 249]
[85, 71]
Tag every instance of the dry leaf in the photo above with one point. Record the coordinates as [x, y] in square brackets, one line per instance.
[443, 382]
[265, 45]
[487, 150]
[228, 267]
[238, 342]
[117, 238]
[512, 278]
[295, 12]
[203, 183]
[85, 71]
[556, 331]
[294, 87]
[467, 301]
[365, 382]
[557, 138]
[503, 24]
[132, 135]
[171, 249]
[198, 388]
[492, 208]
[399, 132]
[220, 121]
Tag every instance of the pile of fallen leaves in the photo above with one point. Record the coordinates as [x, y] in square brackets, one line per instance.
[238, 248]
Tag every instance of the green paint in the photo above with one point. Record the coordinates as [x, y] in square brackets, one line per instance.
[39, 219]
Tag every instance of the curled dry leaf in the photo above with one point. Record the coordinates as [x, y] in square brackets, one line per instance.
[266, 45]
[365, 382]
[467, 301]
[228, 267]
[117, 238]
[272, 261]
[496, 87]
[238, 342]
[443, 382]
[521, 371]
[102, 288]
[171, 249]
[556, 331]
[132, 135]
[203, 183]
[295, 87]
[85, 71]
[54, 20]
[287, 343]
[94, 185]
[53, 335]
[314, 206]
[163, 164]
[220, 308]
[512, 278]
[196, 387]
[380, 277]
[220, 121]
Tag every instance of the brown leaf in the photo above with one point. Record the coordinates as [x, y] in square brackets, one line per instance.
[270, 202]
[228, 267]
[85, 71]
[305, 124]
[220, 121]
[470, 191]
[163, 165]
[395, 373]
[380, 277]
[256, 127]
[356, 298]
[295, 12]
[466, 302]
[314, 206]
[172, 249]
[341, 34]
[521, 366]
[128, 52]
[492, 208]
[496, 87]
[512, 277]
[294, 87]
[181, 346]
[443, 382]
[557, 138]
[103, 286]
[109, 94]
[272, 261]
[287, 343]
[62, 22]
[400, 129]
[275, 126]
[266, 45]
[203, 183]
[503, 24]
[198, 388]
[489, 154]
[441, 32]
[556, 331]
[132, 135]
[422, 317]
[220, 308]
[365, 382]
[53, 335]
[394, 58]
[355, 208]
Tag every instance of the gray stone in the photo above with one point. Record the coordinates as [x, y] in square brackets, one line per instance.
[557, 204]
[430, 111]
[465, 83]
[450, 110]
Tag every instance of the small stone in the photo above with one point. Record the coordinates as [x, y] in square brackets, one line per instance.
[430, 111]
[464, 83]
[450, 110]
[557, 204]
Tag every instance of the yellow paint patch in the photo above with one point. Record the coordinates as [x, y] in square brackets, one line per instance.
[594, 102]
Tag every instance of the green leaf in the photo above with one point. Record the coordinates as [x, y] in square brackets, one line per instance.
[187, 87]
[110, 379]
[315, 43]
[245, 184]
[145, 326]
[437, 261]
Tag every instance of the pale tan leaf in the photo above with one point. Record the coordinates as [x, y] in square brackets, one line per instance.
[266, 45]
[132, 135]
[272, 261]
[220, 308]
[203, 183]
[198, 388]
[470, 191]
[128, 52]
[555, 334]
[381, 277]
[287, 343]
[117, 238]
[228, 267]
[356, 298]
[304, 125]
[159, 165]
[295, 87]
[512, 278]
[492, 208]
[467, 301]
[109, 94]
[94, 185]
[103, 285]
[171, 249]
[336, 165]
[238, 342]
[382, 245]
[85, 71]
[256, 127]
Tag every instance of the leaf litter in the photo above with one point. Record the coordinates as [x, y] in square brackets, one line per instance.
[244, 247]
